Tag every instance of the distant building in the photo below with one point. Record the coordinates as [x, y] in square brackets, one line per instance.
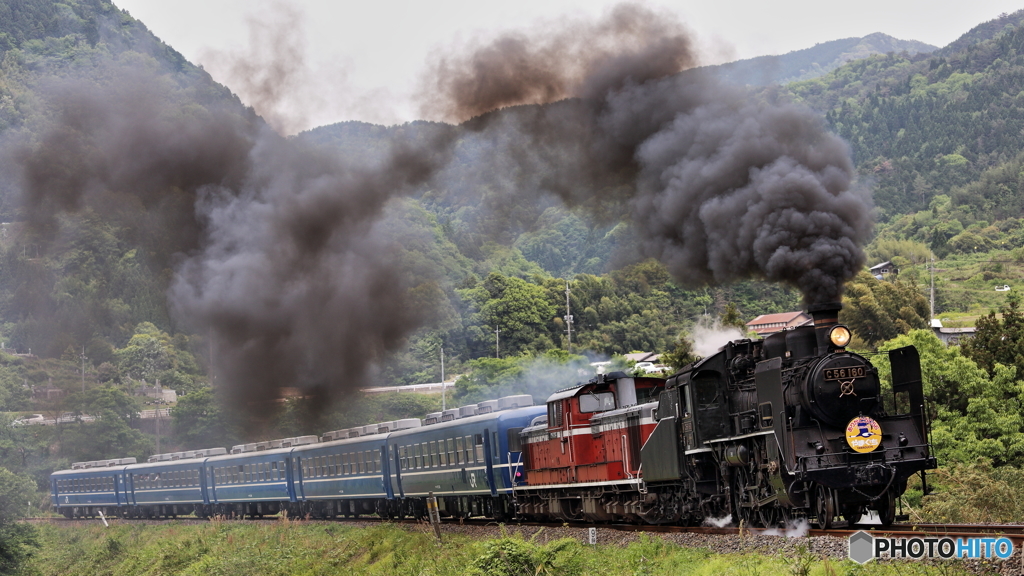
[767, 324]
[882, 270]
[431, 388]
[951, 336]
[48, 392]
[642, 357]
[158, 392]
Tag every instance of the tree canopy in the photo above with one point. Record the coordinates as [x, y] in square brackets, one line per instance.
[880, 310]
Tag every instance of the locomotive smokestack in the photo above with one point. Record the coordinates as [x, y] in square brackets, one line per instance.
[826, 315]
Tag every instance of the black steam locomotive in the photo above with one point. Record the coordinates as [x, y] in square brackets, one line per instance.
[790, 426]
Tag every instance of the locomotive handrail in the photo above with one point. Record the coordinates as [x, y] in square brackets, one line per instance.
[625, 457]
[844, 458]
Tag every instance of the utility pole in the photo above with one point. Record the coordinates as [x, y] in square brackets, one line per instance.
[933, 291]
[157, 426]
[496, 331]
[443, 407]
[568, 318]
[83, 369]
[212, 371]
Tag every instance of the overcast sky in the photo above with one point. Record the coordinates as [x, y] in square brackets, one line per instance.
[363, 58]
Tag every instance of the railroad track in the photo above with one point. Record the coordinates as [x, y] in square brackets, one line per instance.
[1014, 532]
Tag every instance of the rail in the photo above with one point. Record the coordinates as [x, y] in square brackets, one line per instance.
[1014, 532]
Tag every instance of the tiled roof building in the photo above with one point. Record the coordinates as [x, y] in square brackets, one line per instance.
[766, 324]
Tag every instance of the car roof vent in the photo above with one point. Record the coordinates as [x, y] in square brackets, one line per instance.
[516, 401]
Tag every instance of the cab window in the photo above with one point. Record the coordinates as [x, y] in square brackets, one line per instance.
[601, 402]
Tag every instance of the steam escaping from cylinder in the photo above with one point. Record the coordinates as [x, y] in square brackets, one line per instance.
[721, 522]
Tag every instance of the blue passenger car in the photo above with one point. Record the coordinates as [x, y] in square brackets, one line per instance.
[167, 489]
[90, 488]
[464, 462]
[345, 477]
[253, 483]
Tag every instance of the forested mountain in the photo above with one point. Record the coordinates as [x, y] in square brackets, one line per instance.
[815, 61]
[83, 269]
[939, 137]
[927, 125]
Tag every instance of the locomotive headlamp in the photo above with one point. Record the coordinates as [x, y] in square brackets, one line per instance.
[839, 336]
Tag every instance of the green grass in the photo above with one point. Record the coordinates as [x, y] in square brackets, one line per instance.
[299, 548]
[965, 283]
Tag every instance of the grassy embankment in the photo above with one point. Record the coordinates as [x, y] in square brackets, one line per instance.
[293, 549]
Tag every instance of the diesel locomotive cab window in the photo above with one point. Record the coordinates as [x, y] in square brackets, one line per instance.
[597, 402]
[555, 414]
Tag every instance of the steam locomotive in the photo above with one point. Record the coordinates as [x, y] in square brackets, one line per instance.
[793, 425]
[767, 430]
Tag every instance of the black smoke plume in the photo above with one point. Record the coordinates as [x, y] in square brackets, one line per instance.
[576, 58]
[297, 279]
[280, 259]
[124, 141]
[721, 184]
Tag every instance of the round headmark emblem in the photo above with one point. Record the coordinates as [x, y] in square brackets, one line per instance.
[863, 434]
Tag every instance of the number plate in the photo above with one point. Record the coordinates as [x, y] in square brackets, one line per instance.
[845, 373]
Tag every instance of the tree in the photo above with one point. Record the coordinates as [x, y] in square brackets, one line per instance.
[681, 354]
[974, 415]
[111, 434]
[516, 307]
[974, 492]
[999, 340]
[731, 317]
[16, 539]
[199, 420]
[877, 310]
[152, 354]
